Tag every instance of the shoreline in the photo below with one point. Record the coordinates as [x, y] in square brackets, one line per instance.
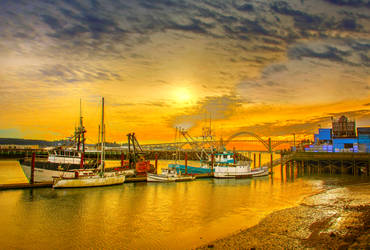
[337, 217]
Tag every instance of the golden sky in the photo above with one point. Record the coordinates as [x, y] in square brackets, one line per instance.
[270, 67]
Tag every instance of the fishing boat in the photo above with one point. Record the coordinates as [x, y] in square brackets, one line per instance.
[91, 177]
[61, 160]
[204, 168]
[224, 165]
[237, 170]
[168, 175]
[171, 173]
[86, 178]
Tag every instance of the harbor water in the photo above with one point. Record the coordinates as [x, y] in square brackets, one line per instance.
[143, 215]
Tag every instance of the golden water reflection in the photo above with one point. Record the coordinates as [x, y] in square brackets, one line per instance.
[143, 215]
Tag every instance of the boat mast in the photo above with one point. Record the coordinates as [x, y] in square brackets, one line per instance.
[82, 130]
[102, 134]
[97, 147]
[176, 155]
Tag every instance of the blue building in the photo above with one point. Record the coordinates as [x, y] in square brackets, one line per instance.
[342, 137]
[345, 145]
[363, 135]
[325, 135]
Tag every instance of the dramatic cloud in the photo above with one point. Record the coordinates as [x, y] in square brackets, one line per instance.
[174, 61]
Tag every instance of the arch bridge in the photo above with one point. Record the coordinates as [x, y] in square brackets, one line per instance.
[268, 144]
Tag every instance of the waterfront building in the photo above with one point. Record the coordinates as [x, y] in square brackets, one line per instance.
[342, 137]
[343, 128]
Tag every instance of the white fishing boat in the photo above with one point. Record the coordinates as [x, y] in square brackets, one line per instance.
[88, 177]
[225, 165]
[60, 160]
[159, 178]
[168, 175]
[239, 170]
[83, 178]
[171, 173]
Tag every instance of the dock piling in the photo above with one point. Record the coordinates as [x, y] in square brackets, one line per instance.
[156, 163]
[33, 168]
[186, 163]
[259, 164]
[254, 160]
[122, 159]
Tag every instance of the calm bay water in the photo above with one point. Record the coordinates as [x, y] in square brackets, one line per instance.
[143, 215]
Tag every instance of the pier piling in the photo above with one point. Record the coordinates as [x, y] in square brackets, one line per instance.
[33, 168]
[254, 160]
[156, 163]
[122, 159]
[259, 164]
[186, 163]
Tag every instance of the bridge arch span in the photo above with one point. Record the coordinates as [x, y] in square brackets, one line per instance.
[265, 144]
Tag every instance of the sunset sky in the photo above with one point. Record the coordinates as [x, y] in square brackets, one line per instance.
[269, 67]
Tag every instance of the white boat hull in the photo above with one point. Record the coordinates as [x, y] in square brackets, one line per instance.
[159, 178]
[91, 181]
[44, 175]
[232, 172]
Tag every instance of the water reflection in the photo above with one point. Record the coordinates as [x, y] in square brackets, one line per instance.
[145, 215]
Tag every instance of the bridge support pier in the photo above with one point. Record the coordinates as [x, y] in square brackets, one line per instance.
[259, 164]
[271, 167]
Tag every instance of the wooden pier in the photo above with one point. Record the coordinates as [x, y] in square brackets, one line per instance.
[25, 185]
[110, 154]
[323, 162]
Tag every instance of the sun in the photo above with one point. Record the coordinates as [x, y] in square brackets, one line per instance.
[182, 95]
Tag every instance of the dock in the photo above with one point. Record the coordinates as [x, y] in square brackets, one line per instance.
[325, 162]
[135, 179]
[50, 184]
[25, 185]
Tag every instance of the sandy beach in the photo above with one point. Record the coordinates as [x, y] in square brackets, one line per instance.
[336, 218]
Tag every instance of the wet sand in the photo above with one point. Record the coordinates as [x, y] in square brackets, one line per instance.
[336, 218]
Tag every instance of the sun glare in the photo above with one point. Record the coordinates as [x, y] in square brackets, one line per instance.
[182, 95]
